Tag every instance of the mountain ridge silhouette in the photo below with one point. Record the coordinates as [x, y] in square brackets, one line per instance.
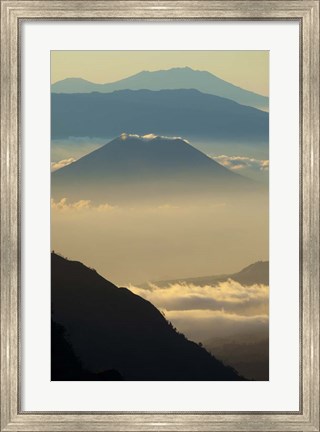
[184, 112]
[112, 329]
[255, 273]
[174, 78]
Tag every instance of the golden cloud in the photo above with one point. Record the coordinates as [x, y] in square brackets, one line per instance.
[228, 297]
[241, 162]
[64, 205]
[57, 165]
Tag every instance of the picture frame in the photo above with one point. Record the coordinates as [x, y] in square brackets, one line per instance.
[13, 13]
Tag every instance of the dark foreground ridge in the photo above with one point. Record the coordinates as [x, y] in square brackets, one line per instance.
[101, 332]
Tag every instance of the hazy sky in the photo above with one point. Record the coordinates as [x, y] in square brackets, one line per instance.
[246, 69]
[147, 243]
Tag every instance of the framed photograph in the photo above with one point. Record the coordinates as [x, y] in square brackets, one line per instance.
[159, 215]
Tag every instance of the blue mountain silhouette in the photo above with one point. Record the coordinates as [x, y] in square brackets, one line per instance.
[187, 113]
[145, 168]
[176, 78]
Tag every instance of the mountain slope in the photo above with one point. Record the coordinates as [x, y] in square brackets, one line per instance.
[176, 78]
[256, 273]
[186, 113]
[248, 353]
[66, 366]
[144, 168]
[111, 329]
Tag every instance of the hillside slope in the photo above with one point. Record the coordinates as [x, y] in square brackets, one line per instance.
[112, 329]
[256, 273]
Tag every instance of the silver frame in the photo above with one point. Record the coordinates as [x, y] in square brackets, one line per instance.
[306, 12]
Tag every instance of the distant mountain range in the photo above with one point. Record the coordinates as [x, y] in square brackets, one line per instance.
[148, 168]
[103, 332]
[187, 113]
[256, 273]
[176, 78]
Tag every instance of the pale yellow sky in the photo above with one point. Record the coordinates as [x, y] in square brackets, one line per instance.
[246, 69]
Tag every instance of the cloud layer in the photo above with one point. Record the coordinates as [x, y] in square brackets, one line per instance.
[208, 312]
[64, 162]
[150, 137]
[242, 162]
[230, 297]
[64, 205]
[203, 325]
